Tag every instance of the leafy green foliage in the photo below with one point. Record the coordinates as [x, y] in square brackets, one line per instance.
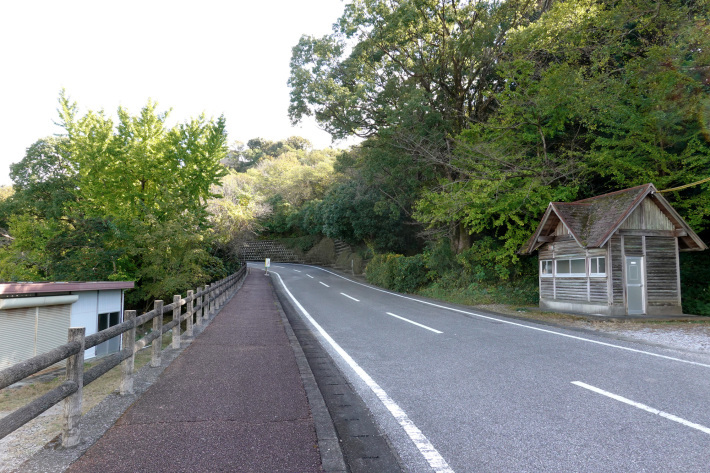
[597, 96]
[397, 272]
[384, 55]
[274, 191]
[353, 212]
[6, 192]
[156, 171]
[44, 182]
[116, 202]
[694, 283]
[408, 75]
[173, 256]
[241, 157]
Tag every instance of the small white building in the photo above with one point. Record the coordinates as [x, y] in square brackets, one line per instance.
[35, 317]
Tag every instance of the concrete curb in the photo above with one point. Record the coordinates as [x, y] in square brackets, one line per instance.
[94, 424]
[331, 454]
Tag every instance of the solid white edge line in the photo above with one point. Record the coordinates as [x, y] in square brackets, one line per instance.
[323, 283]
[488, 317]
[413, 322]
[432, 456]
[644, 407]
[350, 297]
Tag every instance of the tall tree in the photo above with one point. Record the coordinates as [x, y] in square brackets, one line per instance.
[143, 168]
[599, 95]
[412, 73]
[124, 201]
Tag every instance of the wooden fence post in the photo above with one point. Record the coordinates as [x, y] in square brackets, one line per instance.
[157, 328]
[205, 303]
[198, 313]
[201, 312]
[72, 405]
[129, 343]
[215, 307]
[190, 305]
[211, 302]
[176, 316]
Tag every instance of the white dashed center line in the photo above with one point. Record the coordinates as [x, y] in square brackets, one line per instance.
[309, 276]
[323, 283]
[413, 322]
[510, 322]
[431, 454]
[297, 270]
[350, 297]
[644, 407]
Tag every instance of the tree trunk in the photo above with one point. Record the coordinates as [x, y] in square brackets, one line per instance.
[460, 238]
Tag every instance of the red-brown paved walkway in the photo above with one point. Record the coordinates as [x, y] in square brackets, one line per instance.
[232, 401]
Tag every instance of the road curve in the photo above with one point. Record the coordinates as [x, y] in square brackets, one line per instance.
[460, 390]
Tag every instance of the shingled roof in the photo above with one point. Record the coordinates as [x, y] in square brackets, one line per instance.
[592, 221]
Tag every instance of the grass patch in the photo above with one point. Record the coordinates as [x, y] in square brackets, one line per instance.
[516, 295]
[14, 398]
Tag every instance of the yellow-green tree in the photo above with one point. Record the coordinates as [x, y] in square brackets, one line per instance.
[118, 200]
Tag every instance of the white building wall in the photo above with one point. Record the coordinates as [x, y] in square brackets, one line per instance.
[84, 314]
[109, 301]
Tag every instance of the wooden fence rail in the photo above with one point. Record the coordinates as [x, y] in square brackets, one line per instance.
[201, 304]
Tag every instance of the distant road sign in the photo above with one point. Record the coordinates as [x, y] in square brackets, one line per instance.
[267, 263]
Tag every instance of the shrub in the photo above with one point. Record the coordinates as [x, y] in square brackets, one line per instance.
[348, 261]
[410, 273]
[695, 288]
[397, 272]
[323, 252]
[300, 243]
[440, 259]
[380, 270]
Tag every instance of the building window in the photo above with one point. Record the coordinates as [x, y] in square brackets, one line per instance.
[546, 268]
[597, 266]
[571, 267]
[112, 345]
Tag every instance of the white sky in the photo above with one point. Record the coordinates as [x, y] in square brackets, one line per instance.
[226, 57]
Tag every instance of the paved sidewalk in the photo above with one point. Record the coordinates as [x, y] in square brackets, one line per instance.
[232, 401]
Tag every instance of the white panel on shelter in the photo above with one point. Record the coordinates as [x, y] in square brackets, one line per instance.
[109, 301]
[83, 314]
[83, 311]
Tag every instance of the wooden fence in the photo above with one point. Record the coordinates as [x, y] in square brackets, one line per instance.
[199, 305]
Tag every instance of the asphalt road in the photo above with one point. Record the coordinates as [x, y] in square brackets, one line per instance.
[456, 389]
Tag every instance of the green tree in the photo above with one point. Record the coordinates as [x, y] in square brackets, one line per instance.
[598, 96]
[410, 75]
[36, 213]
[268, 194]
[143, 168]
[117, 202]
[354, 213]
[242, 157]
[5, 192]
[383, 55]
[43, 182]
